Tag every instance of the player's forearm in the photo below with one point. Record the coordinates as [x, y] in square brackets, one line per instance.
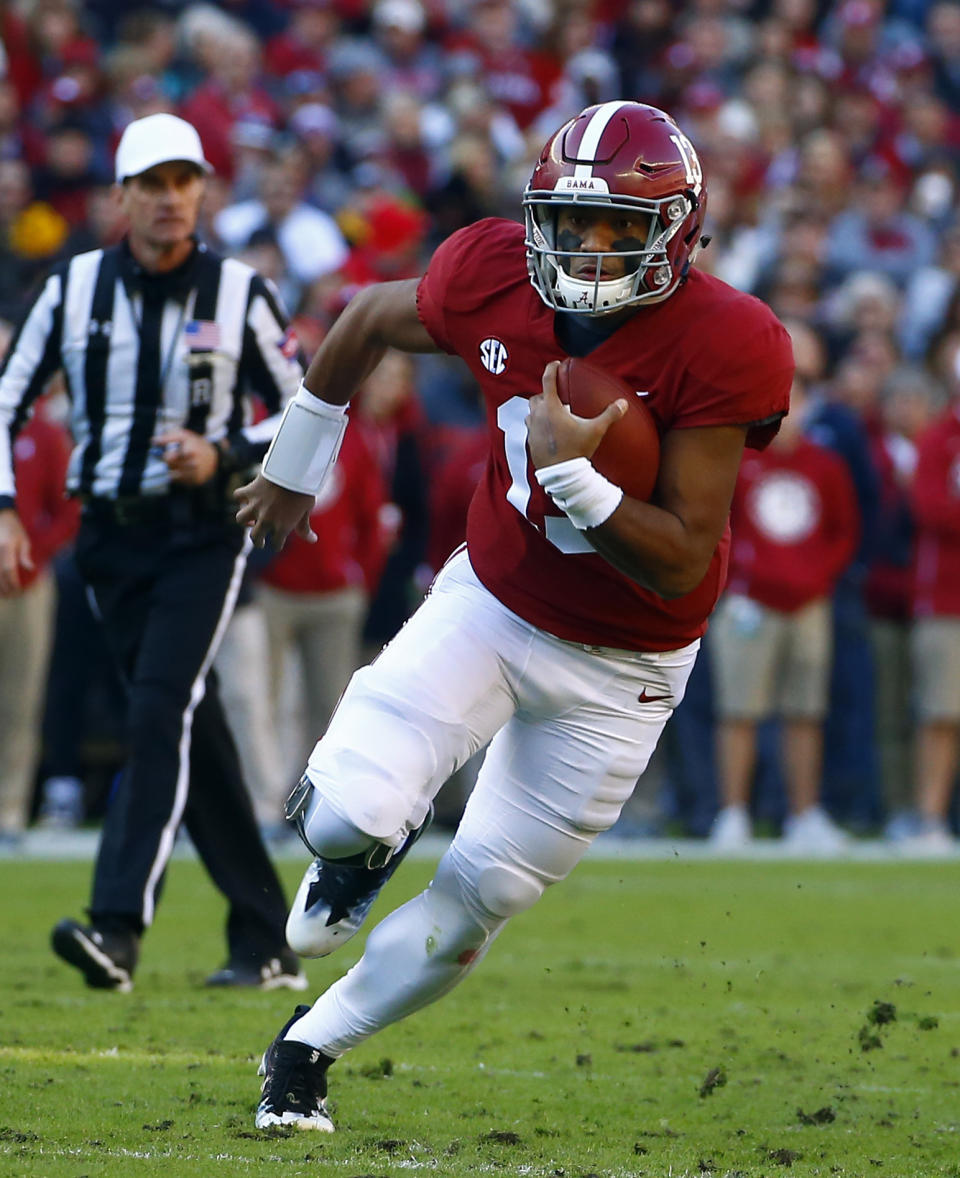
[654, 548]
[378, 317]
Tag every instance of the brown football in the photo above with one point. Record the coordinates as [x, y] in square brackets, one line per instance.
[629, 454]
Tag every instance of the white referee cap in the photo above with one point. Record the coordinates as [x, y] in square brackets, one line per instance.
[157, 139]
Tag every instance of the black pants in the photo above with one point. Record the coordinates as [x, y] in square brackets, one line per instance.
[165, 591]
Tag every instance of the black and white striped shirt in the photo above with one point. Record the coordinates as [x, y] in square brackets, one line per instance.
[142, 353]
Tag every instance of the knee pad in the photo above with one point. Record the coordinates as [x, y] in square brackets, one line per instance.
[508, 890]
[494, 891]
[330, 836]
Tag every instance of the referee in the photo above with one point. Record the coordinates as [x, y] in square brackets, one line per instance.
[161, 342]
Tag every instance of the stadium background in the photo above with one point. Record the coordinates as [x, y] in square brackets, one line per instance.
[350, 137]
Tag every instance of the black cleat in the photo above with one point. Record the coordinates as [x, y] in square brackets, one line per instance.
[282, 972]
[335, 896]
[294, 1087]
[106, 959]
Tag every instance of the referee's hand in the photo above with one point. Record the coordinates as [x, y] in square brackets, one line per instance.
[190, 458]
[14, 552]
[272, 512]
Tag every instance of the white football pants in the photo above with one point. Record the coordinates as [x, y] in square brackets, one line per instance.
[570, 736]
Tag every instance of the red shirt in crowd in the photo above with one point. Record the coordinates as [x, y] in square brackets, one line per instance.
[936, 506]
[50, 519]
[213, 112]
[351, 545]
[518, 79]
[888, 588]
[795, 525]
[454, 475]
[709, 355]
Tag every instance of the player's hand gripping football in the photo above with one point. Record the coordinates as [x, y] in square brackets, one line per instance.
[272, 512]
[554, 434]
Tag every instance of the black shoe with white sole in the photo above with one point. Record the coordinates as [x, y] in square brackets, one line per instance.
[282, 972]
[335, 896]
[106, 959]
[294, 1087]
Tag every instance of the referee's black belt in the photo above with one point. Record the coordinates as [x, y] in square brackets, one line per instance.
[179, 508]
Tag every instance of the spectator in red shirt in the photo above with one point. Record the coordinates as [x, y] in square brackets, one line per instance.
[795, 526]
[232, 92]
[305, 42]
[388, 413]
[40, 456]
[457, 462]
[412, 65]
[518, 79]
[908, 400]
[936, 610]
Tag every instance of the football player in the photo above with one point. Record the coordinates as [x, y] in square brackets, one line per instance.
[565, 630]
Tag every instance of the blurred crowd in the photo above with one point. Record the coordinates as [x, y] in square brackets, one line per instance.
[349, 137]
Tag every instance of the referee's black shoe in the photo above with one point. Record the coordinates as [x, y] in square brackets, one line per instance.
[106, 958]
[294, 1088]
[282, 972]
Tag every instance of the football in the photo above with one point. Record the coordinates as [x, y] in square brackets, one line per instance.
[629, 454]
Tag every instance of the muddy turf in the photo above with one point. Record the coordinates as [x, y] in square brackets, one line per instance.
[658, 1018]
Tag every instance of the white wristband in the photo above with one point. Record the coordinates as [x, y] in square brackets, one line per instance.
[579, 489]
[307, 443]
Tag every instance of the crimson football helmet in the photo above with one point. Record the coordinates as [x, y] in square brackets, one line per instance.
[631, 158]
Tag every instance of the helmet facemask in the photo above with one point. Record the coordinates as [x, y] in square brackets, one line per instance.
[649, 277]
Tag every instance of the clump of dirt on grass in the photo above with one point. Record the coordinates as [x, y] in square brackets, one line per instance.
[502, 1137]
[784, 1157]
[823, 1116]
[868, 1038]
[647, 1046]
[881, 1013]
[714, 1079]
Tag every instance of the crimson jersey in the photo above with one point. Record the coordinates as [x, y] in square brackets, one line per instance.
[709, 355]
[796, 525]
[936, 506]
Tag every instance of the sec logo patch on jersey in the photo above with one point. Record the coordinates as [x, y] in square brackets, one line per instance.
[494, 355]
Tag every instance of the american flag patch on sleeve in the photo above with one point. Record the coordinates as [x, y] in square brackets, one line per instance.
[288, 344]
[202, 335]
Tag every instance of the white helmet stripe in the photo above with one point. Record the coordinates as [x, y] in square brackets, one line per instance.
[592, 135]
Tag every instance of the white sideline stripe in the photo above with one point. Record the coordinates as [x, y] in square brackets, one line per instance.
[64, 845]
[197, 692]
[592, 136]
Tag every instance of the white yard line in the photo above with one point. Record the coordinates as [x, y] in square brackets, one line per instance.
[82, 845]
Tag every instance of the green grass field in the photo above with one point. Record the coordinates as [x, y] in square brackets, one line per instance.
[648, 1018]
